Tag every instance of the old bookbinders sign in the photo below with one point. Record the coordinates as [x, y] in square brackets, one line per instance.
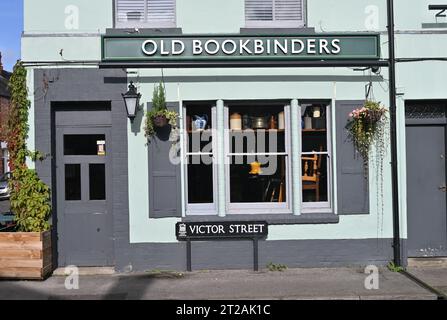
[220, 230]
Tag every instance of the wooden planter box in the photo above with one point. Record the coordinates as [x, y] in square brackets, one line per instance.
[25, 255]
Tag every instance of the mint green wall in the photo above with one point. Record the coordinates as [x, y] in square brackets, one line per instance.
[48, 16]
[423, 80]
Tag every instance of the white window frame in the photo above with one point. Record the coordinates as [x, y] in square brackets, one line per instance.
[322, 206]
[277, 23]
[196, 209]
[234, 208]
[145, 23]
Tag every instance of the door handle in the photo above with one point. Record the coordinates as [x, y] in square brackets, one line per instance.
[443, 188]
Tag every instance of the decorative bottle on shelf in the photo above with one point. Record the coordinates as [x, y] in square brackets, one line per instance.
[307, 119]
[272, 123]
[319, 120]
[235, 121]
[246, 122]
[281, 121]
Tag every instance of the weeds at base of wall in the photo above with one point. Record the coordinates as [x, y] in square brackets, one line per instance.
[274, 267]
[164, 274]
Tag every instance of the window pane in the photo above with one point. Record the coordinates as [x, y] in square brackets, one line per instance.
[257, 129]
[82, 144]
[97, 175]
[73, 182]
[314, 128]
[200, 180]
[258, 179]
[315, 178]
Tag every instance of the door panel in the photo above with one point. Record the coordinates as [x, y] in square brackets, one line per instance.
[84, 196]
[426, 174]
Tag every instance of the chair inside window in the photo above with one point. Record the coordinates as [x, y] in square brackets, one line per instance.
[311, 174]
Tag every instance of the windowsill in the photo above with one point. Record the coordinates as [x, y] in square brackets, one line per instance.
[120, 30]
[272, 219]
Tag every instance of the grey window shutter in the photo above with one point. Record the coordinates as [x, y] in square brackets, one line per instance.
[164, 176]
[145, 13]
[353, 192]
[281, 11]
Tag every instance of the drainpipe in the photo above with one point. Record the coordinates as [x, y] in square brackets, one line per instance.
[393, 128]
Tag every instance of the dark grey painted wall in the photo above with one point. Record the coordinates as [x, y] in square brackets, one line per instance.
[239, 254]
[60, 87]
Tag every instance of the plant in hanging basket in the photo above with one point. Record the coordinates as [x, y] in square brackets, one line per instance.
[159, 116]
[367, 127]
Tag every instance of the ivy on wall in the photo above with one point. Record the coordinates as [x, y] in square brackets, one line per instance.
[30, 196]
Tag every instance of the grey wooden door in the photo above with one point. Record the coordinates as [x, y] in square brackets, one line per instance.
[426, 174]
[84, 196]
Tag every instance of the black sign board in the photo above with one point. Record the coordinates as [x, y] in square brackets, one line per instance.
[220, 230]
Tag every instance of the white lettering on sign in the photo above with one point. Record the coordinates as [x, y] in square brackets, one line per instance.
[336, 46]
[225, 47]
[145, 44]
[241, 47]
[180, 44]
[295, 49]
[259, 46]
[197, 47]
[215, 44]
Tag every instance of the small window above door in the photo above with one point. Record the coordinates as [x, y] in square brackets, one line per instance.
[84, 144]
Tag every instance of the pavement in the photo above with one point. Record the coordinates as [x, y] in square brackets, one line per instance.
[431, 271]
[291, 284]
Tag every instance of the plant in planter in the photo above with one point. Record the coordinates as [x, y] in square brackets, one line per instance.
[159, 116]
[27, 252]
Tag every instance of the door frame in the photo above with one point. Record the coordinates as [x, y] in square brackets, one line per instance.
[425, 122]
[59, 197]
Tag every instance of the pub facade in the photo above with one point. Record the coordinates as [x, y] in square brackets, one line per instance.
[263, 91]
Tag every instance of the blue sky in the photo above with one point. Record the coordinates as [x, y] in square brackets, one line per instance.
[11, 26]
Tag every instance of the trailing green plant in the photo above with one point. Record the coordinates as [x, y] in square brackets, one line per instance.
[276, 267]
[30, 196]
[367, 128]
[159, 115]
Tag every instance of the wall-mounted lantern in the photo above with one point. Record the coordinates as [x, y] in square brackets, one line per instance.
[132, 101]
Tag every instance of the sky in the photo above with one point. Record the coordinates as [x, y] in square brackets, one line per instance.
[11, 26]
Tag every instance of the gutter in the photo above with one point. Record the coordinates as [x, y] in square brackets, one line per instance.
[393, 129]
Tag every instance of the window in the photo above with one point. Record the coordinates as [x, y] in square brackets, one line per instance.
[200, 166]
[145, 13]
[274, 13]
[315, 157]
[257, 158]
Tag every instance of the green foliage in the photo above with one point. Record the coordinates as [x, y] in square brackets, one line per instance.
[159, 109]
[366, 128]
[30, 197]
[276, 267]
[394, 268]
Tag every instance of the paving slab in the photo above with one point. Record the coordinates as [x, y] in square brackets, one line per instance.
[302, 284]
[434, 276]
